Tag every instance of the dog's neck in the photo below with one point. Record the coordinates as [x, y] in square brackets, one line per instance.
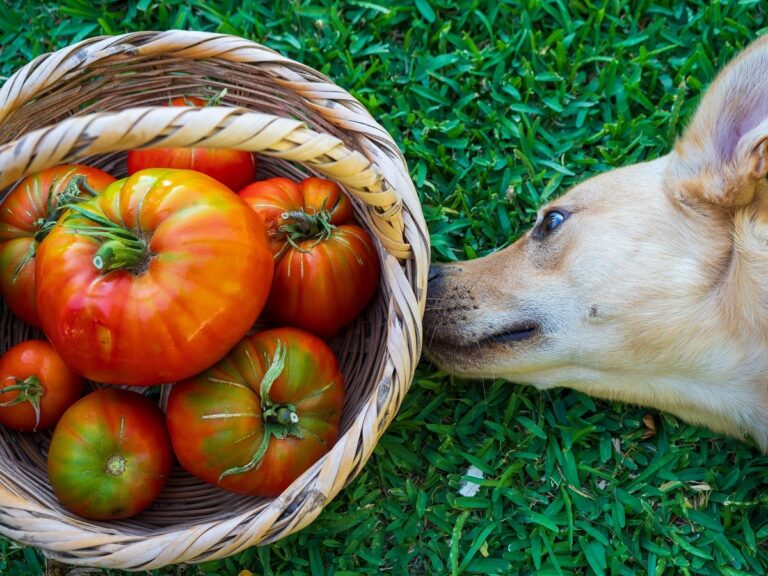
[746, 280]
[742, 306]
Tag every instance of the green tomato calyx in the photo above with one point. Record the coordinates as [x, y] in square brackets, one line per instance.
[120, 249]
[76, 191]
[279, 420]
[30, 390]
[301, 225]
[55, 205]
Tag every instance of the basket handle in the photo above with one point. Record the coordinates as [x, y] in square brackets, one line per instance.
[213, 127]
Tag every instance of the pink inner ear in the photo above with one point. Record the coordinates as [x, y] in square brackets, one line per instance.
[740, 114]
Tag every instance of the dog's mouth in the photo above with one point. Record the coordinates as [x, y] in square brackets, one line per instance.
[516, 333]
[466, 354]
[507, 336]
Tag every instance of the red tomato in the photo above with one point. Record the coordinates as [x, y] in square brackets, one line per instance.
[326, 267]
[262, 416]
[233, 168]
[36, 387]
[153, 280]
[27, 215]
[110, 455]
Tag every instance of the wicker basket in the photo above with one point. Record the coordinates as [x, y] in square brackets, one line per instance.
[79, 104]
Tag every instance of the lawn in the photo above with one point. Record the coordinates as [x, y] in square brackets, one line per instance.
[497, 106]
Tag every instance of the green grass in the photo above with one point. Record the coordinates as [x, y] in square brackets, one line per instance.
[497, 107]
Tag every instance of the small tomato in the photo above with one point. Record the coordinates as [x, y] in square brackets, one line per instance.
[326, 266]
[110, 455]
[36, 387]
[233, 168]
[262, 416]
[28, 214]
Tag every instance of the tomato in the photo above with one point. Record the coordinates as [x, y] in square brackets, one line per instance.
[36, 387]
[326, 267]
[153, 280]
[262, 416]
[233, 168]
[110, 455]
[27, 215]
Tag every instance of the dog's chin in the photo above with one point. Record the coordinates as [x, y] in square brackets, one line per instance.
[466, 355]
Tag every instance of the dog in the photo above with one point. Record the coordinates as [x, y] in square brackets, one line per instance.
[646, 284]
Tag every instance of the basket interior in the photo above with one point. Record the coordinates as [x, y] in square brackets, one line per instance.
[129, 82]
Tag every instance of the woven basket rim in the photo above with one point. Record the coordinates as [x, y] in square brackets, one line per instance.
[369, 166]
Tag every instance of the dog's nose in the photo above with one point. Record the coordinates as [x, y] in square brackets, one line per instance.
[435, 273]
[436, 281]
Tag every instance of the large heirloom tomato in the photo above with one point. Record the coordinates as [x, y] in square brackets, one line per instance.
[153, 280]
[36, 387]
[326, 266]
[233, 168]
[27, 215]
[263, 415]
[110, 455]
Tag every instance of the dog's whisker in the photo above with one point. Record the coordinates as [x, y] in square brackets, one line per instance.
[432, 337]
[437, 308]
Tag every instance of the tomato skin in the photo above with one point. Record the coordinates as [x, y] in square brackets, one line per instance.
[110, 424]
[21, 215]
[19, 288]
[326, 287]
[233, 168]
[206, 280]
[319, 286]
[215, 419]
[61, 387]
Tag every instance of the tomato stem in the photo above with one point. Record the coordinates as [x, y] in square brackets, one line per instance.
[30, 390]
[120, 248]
[279, 420]
[286, 416]
[302, 225]
[118, 253]
[215, 100]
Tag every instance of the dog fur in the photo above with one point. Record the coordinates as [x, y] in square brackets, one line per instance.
[653, 289]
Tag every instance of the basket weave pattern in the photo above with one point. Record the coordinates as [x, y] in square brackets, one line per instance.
[93, 101]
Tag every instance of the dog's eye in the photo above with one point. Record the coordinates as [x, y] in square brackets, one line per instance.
[550, 223]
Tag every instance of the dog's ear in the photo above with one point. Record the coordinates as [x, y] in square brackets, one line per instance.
[722, 158]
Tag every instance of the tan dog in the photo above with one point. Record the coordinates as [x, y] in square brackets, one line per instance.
[647, 284]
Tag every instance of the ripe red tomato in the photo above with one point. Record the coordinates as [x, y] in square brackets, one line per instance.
[28, 214]
[153, 280]
[233, 168]
[110, 455]
[36, 387]
[326, 267]
[262, 416]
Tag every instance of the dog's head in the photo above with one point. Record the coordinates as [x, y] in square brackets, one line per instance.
[647, 283]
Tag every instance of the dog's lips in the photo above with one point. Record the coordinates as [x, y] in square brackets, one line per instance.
[472, 355]
[509, 335]
[516, 333]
